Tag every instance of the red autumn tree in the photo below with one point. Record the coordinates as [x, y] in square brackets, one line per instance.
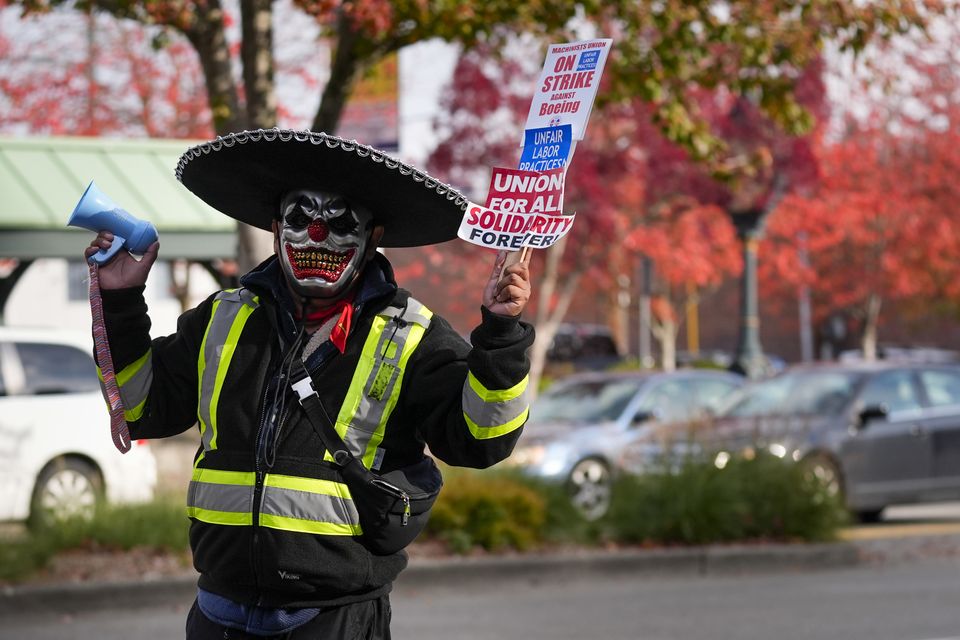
[667, 48]
[98, 76]
[609, 188]
[882, 227]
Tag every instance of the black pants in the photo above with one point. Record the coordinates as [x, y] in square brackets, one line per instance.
[368, 620]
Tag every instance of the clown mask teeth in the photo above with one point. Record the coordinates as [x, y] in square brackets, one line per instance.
[327, 266]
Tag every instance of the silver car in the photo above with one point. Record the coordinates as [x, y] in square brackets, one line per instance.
[580, 427]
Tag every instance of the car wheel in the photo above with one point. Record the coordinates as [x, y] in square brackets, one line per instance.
[590, 483]
[826, 471]
[868, 516]
[67, 488]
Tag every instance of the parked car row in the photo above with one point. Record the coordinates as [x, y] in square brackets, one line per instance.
[57, 459]
[876, 434]
[580, 427]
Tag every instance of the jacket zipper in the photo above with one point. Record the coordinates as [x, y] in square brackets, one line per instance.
[257, 493]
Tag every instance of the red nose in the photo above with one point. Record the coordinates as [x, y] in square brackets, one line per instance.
[318, 231]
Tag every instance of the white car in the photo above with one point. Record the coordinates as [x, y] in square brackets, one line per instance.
[56, 455]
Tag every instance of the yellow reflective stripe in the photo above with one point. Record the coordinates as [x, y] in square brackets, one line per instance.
[201, 367]
[216, 476]
[505, 395]
[220, 517]
[131, 369]
[130, 414]
[493, 431]
[413, 339]
[309, 526]
[351, 401]
[134, 414]
[309, 485]
[225, 356]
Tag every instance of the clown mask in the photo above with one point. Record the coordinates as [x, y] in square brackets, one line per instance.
[322, 242]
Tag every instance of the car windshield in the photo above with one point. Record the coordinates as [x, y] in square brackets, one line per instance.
[798, 393]
[587, 401]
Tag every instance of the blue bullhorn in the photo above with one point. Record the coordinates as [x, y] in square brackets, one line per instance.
[97, 212]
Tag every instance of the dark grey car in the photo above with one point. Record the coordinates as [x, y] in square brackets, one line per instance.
[880, 434]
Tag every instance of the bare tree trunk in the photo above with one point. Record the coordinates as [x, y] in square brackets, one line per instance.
[665, 330]
[619, 300]
[256, 51]
[548, 319]
[180, 282]
[209, 39]
[870, 322]
[344, 72]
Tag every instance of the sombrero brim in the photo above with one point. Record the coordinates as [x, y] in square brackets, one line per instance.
[244, 175]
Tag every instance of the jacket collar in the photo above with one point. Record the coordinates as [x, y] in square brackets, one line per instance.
[267, 280]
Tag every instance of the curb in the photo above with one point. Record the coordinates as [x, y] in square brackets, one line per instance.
[425, 574]
[683, 562]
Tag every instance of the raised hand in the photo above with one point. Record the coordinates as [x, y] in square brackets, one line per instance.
[123, 270]
[508, 290]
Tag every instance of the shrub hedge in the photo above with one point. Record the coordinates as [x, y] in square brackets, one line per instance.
[760, 499]
[764, 498]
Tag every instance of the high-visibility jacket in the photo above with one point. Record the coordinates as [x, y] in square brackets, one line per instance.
[278, 528]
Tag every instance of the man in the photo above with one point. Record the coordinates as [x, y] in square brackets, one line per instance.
[274, 532]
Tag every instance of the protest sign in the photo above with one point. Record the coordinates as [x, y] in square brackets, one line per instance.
[568, 85]
[547, 148]
[512, 231]
[524, 205]
[514, 190]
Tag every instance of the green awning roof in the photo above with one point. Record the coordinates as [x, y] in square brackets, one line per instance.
[41, 180]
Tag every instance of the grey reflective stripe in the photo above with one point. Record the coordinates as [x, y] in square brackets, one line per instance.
[228, 307]
[370, 416]
[134, 389]
[303, 505]
[492, 414]
[229, 498]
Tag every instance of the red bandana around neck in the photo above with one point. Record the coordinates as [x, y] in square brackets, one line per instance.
[339, 333]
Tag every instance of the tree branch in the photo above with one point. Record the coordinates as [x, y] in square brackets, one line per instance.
[256, 51]
[207, 36]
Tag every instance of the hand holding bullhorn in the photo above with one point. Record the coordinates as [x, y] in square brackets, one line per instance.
[96, 212]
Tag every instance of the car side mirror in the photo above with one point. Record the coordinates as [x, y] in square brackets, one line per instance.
[646, 415]
[872, 412]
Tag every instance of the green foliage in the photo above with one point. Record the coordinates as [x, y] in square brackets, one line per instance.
[563, 523]
[485, 510]
[160, 525]
[664, 50]
[764, 498]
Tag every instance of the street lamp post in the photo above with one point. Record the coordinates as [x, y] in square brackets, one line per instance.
[749, 359]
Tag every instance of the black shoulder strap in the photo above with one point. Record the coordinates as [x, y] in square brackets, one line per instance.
[302, 385]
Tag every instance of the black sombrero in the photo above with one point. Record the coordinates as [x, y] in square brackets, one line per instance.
[245, 174]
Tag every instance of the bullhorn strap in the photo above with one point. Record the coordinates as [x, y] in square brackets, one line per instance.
[111, 390]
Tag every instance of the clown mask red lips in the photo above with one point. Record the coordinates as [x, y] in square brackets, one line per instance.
[323, 240]
[318, 264]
